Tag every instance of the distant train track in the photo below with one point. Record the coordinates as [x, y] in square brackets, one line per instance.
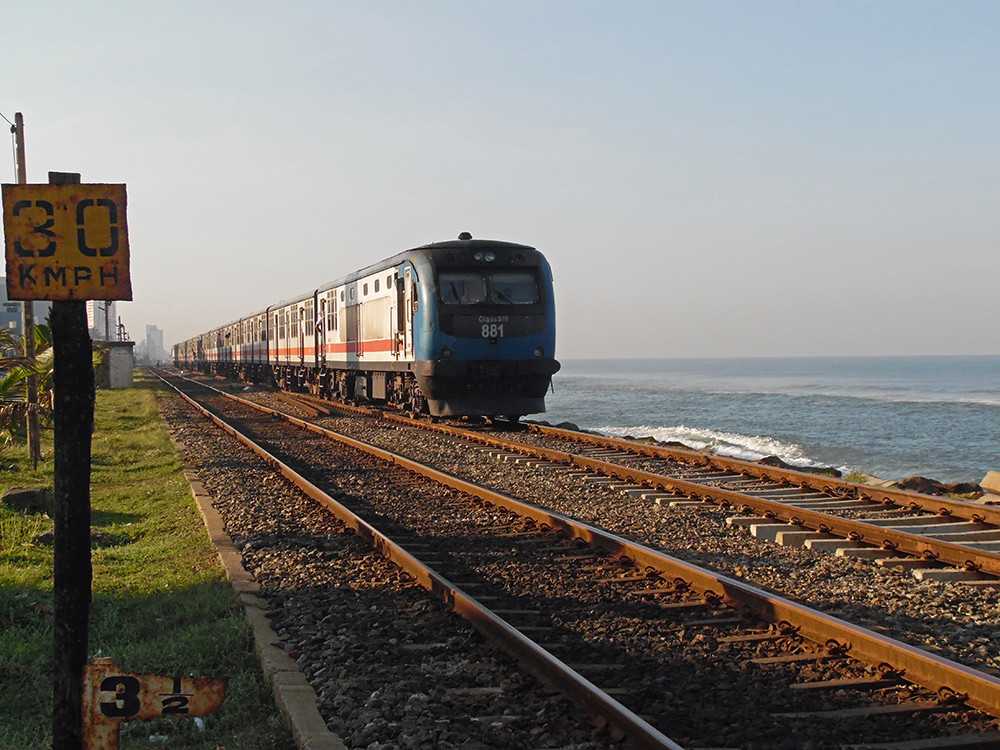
[795, 638]
[937, 538]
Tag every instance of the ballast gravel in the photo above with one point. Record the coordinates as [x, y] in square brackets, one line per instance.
[628, 636]
[955, 621]
[392, 668]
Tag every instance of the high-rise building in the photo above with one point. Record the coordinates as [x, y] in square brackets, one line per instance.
[11, 311]
[154, 344]
[102, 320]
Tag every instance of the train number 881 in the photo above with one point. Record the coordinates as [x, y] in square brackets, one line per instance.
[492, 330]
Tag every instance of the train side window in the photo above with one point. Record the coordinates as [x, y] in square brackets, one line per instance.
[376, 285]
[388, 281]
[341, 296]
[352, 292]
[365, 290]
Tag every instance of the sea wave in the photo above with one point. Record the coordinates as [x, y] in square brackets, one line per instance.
[749, 447]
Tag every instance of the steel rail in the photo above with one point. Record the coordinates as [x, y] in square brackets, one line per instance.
[935, 673]
[526, 652]
[890, 539]
[832, 485]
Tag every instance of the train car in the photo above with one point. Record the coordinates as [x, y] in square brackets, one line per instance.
[464, 327]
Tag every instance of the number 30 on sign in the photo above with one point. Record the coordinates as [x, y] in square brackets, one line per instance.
[66, 242]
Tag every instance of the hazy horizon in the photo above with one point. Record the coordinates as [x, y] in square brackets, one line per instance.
[707, 180]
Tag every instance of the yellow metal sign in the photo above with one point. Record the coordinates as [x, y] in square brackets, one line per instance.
[66, 242]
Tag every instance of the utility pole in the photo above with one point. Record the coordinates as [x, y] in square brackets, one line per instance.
[28, 320]
[107, 319]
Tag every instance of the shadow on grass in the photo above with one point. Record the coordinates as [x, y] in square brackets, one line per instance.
[197, 630]
[110, 518]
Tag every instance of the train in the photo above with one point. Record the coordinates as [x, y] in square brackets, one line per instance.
[460, 328]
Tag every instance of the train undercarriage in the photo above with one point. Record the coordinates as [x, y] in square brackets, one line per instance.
[446, 389]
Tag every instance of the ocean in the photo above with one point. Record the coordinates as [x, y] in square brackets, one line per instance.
[888, 416]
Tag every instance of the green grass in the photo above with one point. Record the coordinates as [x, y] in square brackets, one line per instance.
[161, 603]
[857, 476]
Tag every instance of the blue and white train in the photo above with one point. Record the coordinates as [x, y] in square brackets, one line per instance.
[458, 328]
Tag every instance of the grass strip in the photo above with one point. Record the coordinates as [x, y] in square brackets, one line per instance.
[161, 601]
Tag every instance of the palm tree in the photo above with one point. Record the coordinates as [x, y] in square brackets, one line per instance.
[14, 371]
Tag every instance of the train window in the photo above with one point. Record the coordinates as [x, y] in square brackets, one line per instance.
[365, 290]
[513, 288]
[462, 288]
[309, 318]
[352, 292]
[388, 281]
[331, 313]
[376, 285]
[341, 296]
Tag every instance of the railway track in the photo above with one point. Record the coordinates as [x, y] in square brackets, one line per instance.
[743, 637]
[936, 538]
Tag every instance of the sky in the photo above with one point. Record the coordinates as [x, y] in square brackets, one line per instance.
[706, 179]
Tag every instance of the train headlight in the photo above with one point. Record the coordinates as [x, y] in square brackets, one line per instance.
[445, 352]
[487, 257]
[539, 351]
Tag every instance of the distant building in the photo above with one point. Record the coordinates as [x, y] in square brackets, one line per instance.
[11, 312]
[153, 346]
[103, 323]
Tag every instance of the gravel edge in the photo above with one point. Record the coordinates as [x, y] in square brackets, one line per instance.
[293, 695]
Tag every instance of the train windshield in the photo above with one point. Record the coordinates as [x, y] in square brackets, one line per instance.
[513, 288]
[462, 288]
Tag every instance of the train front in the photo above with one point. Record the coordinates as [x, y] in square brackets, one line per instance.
[488, 347]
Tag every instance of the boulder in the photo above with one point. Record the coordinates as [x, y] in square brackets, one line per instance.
[991, 486]
[991, 482]
[928, 486]
[29, 499]
[569, 426]
[675, 444]
[828, 471]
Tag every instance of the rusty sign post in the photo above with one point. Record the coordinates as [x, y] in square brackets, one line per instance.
[111, 696]
[68, 242]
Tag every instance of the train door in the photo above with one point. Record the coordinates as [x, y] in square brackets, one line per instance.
[309, 329]
[408, 297]
[398, 325]
[361, 325]
[321, 331]
[301, 333]
[359, 346]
